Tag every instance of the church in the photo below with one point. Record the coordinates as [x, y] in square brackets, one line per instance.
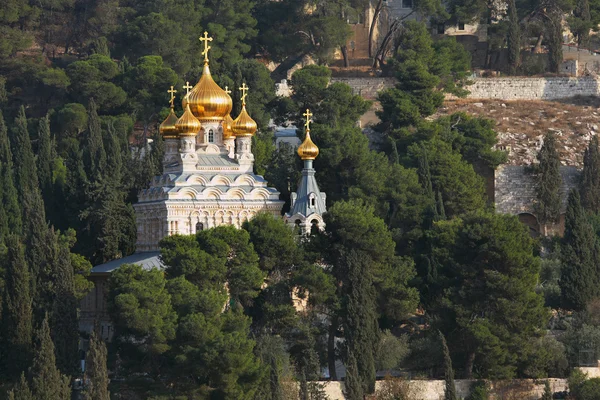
[208, 180]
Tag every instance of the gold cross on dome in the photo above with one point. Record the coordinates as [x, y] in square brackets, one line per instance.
[187, 88]
[172, 92]
[307, 114]
[227, 90]
[205, 39]
[244, 90]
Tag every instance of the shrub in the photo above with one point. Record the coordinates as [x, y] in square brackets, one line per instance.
[479, 391]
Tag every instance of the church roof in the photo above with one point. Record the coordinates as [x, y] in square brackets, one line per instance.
[147, 260]
[307, 187]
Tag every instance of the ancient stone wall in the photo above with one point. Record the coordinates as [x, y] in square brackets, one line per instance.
[525, 389]
[517, 88]
[366, 87]
[514, 188]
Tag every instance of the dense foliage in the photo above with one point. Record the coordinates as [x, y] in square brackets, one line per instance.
[411, 244]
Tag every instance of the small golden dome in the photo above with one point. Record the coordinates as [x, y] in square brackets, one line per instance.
[188, 125]
[207, 101]
[308, 150]
[228, 127]
[243, 124]
[167, 129]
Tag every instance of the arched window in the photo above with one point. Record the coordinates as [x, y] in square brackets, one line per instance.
[211, 136]
[199, 227]
[314, 227]
[297, 222]
[312, 200]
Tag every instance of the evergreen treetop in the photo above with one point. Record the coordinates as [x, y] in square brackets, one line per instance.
[579, 255]
[548, 182]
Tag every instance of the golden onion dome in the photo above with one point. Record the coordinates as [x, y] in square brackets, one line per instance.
[308, 150]
[188, 125]
[228, 127]
[167, 129]
[207, 101]
[243, 125]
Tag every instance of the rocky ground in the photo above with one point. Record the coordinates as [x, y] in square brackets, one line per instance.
[521, 125]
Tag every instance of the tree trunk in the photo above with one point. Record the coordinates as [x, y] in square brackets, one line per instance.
[345, 54]
[376, 13]
[469, 365]
[333, 327]
[537, 49]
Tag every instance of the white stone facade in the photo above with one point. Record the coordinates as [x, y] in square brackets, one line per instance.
[219, 191]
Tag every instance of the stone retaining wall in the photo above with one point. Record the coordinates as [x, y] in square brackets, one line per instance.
[514, 188]
[516, 88]
[366, 87]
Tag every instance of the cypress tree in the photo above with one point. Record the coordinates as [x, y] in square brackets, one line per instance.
[579, 257]
[48, 382]
[114, 161]
[95, 371]
[30, 197]
[547, 395]
[548, 182]
[16, 311]
[94, 155]
[514, 38]
[590, 183]
[10, 213]
[441, 211]
[65, 327]
[361, 329]
[45, 158]
[450, 389]
[555, 42]
[21, 390]
[425, 173]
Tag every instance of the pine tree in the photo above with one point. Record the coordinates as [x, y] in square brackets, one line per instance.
[590, 183]
[95, 371]
[450, 389]
[65, 327]
[10, 213]
[21, 390]
[579, 257]
[47, 381]
[514, 38]
[30, 198]
[16, 312]
[94, 155]
[548, 182]
[361, 329]
[583, 23]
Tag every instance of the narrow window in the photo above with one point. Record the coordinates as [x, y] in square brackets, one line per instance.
[211, 136]
[312, 202]
[199, 227]
[461, 26]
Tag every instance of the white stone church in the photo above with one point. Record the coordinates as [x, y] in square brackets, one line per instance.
[208, 180]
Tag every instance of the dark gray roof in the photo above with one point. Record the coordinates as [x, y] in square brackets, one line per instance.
[306, 187]
[147, 260]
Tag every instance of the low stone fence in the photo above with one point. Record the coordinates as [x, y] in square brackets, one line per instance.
[522, 389]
